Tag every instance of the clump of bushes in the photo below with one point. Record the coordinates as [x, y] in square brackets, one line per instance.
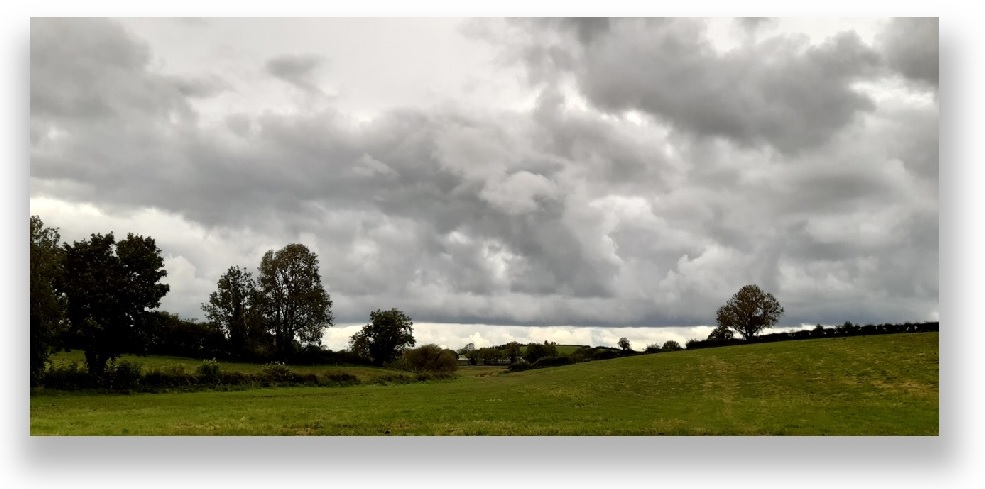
[428, 359]
[210, 372]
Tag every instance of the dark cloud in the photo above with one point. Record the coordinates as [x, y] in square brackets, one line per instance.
[912, 48]
[298, 70]
[780, 91]
[702, 172]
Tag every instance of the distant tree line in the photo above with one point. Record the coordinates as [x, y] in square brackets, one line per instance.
[819, 331]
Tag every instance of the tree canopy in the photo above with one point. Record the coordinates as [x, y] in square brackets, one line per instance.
[47, 307]
[110, 286]
[291, 298]
[232, 308]
[750, 311]
[385, 337]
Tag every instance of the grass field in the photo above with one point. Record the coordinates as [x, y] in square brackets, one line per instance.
[875, 385]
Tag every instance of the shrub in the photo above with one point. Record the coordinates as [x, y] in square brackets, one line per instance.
[209, 372]
[70, 376]
[429, 358]
[339, 379]
[671, 345]
[604, 354]
[123, 375]
[277, 372]
[552, 362]
[652, 348]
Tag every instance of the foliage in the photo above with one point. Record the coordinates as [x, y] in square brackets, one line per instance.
[123, 375]
[385, 337]
[168, 334]
[749, 311]
[652, 348]
[469, 351]
[232, 308]
[291, 298]
[513, 351]
[671, 345]
[109, 286]
[721, 333]
[429, 358]
[47, 306]
[624, 344]
[210, 371]
[536, 351]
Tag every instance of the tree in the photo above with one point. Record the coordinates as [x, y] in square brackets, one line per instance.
[47, 306]
[536, 351]
[624, 344]
[513, 351]
[429, 358]
[721, 333]
[110, 286]
[671, 345]
[291, 298]
[750, 311]
[469, 351]
[231, 307]
[385, 337]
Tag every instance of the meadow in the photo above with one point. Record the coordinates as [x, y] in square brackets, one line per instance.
[862, 385]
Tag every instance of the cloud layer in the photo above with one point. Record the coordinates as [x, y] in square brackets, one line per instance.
[641, 174]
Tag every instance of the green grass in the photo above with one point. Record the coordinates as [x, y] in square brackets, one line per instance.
[876, 385]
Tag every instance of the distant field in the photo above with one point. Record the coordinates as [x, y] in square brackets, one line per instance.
[875, 385]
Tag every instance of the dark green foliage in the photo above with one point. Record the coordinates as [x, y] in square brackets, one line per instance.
[47, 306]
[536, 351]
[846, 329]
[209, 372]
[604, 354]
[513, 351]
[749, 311]
[123, 375]
[72, 376]
[652, 348]
[232, 308]
[624, 344]
[671, 345]
[109, 287]
[542, 362]
[471, 353]
[385, 337]
[429, 358]
[721, 333]
[339, 379]
[291, 299]
[168, 334]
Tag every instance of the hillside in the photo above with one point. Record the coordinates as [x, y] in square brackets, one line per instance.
[875, 385]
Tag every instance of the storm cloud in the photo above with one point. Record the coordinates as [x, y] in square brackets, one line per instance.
[634, 172]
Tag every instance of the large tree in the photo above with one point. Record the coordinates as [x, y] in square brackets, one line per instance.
[110, 286]
[47, 307]
[291, 298]
[750, 311]
[231, 307]
[385, 337]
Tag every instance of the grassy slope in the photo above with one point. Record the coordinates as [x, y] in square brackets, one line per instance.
[879, 385]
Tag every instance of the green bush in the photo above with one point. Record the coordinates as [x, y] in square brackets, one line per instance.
[279, 373]
[123, 375]
[72, 376]
[209, 372]
[428, 358]
[339, 379]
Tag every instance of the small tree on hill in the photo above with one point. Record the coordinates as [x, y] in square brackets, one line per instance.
[750, 311]
[385, 337]
[624, 344]
[671, 345]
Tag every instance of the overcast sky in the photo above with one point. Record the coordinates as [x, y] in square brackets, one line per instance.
[490, 175]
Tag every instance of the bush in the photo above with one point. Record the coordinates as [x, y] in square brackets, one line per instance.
[168, 378]
[552, 362]
[124, 375]
[70, 376]
[279, 373]
[340, 379]
[604, 354]
[429, 358]
[671, 345]
[209, 372]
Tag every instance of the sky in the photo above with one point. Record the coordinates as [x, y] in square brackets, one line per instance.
[573, 180]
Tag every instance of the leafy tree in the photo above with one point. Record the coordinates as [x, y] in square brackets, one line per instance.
[231, 307]
[109, 286]
[652, 348]
[429, 358]
[385, 337]
[47, 306]
[291, 298]
[469, 351]
[750, 311]
[513, 351]
[671, 345]
[624, 344]
[721, 333]
[536, 351]
[490, 356]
